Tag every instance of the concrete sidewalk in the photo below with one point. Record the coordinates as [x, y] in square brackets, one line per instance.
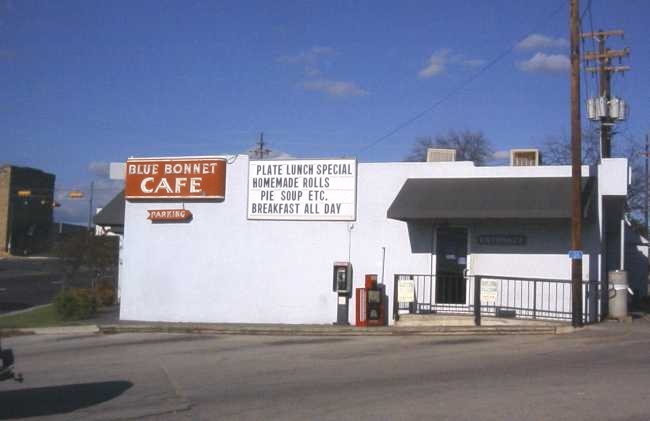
[107, 322]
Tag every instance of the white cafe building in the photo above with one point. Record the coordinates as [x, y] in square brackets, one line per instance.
[229, 239]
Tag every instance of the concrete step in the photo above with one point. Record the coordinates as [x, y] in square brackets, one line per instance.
[432, 320]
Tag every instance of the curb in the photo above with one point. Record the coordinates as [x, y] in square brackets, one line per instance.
[53, 330]
[17, 274]
[284, 330]
[66, 330]
[290, 330]
[25, 310]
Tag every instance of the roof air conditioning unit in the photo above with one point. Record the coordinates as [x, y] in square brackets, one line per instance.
[525, 157]
[441, 155]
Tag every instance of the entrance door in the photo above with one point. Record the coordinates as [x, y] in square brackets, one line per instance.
[451, 261]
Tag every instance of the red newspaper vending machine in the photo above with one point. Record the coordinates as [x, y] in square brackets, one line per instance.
[362, 308]
[371, 303]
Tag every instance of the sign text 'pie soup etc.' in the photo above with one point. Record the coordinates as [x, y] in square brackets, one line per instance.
[307, 190]
[175, 178]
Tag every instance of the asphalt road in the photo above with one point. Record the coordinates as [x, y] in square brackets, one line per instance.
[27, 282]
[599, 374]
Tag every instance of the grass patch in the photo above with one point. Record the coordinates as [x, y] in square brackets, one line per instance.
[38, 317]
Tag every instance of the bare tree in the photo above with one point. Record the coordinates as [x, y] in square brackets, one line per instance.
[469, 146]
[631, 148]
[557, 151]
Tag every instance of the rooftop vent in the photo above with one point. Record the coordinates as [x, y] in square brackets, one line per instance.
[441, 155]
[525, 157]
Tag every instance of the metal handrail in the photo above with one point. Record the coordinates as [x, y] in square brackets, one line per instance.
[529, 297]
[518, 278]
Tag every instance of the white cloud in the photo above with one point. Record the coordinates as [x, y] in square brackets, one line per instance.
[320, 50]
[280, 155]
[501, 154]
[99, 168]
[308, 56]
[472, 62]
[436, 64]
[271, 154]
[334, 88]
[442, 58]
[539, 41]
[545, 63]
[310, 59]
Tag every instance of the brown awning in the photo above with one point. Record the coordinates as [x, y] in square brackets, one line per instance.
[481, 198]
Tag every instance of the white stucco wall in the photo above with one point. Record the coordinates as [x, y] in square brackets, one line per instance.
[221, 267]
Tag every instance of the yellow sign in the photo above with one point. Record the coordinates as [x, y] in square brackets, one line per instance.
[75, 194]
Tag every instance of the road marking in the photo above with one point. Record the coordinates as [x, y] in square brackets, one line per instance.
[3, 289]
[57, 282]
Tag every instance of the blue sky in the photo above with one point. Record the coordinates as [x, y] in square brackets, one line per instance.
[86, 82]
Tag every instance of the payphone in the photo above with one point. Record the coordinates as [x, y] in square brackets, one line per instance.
[342, 285]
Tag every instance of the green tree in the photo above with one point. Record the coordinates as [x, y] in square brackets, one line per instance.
[85, 251]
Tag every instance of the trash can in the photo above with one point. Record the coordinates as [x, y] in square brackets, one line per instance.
[618, 290]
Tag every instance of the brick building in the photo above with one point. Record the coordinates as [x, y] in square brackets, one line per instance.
[26, 199]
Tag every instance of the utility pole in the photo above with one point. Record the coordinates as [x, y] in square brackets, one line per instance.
[261, 151]
[647, 153]
[90, 205]
[605, 110]
[576, 171]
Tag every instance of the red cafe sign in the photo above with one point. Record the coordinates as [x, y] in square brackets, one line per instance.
[169, 215]
[175, 178]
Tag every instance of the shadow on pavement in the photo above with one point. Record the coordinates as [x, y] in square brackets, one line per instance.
[42, 401]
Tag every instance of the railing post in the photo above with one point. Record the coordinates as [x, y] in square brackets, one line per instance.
[477, 300]
[431, 292]
[395, 302]
[585, 304]
[534, 299]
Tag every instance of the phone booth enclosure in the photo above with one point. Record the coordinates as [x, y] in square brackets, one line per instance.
[342, 278]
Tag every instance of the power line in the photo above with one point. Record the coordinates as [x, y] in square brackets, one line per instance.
[461, 86]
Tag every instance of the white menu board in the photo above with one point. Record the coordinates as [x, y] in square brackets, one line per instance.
[303, 190]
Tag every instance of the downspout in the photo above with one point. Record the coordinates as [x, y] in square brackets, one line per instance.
[622, 259]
